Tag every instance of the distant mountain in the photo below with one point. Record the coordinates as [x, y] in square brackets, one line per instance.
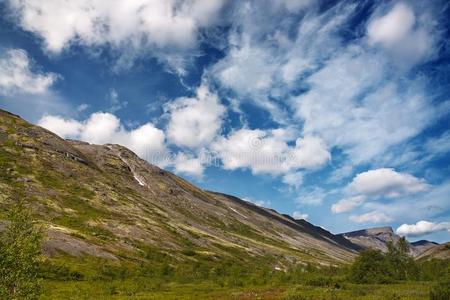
[104, 201]
[374, 238]
[436, 251]
[378, 237]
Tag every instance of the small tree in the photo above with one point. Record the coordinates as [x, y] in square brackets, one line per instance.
[370, 267]
[402, 266]
[20, 254]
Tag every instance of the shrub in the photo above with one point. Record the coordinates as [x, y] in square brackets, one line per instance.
[370, 267]
[20, 255]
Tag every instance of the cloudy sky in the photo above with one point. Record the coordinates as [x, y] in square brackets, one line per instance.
[335, 112]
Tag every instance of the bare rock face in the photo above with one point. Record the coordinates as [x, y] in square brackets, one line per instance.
[373, 238]
[104, 201]
[377, 238]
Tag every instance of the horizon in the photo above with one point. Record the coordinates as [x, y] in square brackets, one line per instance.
[337, 113]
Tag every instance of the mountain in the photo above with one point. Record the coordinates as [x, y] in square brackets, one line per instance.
[374, 238]
[437, 251]
[419, 247]
[378, 237]
[104, 201]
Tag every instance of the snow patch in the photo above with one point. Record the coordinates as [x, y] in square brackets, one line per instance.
[138, 180]
[238, 212]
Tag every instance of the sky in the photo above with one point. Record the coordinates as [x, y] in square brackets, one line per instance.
[334, 112]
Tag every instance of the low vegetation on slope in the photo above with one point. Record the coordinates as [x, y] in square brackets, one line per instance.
[373, 275]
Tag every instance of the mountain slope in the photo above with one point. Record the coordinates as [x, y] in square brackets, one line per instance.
[104, 201]
[377, 238]
[439, 251]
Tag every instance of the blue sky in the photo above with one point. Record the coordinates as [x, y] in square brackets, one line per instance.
[337, 112]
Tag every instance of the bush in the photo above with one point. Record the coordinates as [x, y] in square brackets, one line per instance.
[370, 267]
[20, 256]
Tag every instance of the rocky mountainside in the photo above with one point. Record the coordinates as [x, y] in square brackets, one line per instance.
[104, 201]
[440, 251]
[377, 238]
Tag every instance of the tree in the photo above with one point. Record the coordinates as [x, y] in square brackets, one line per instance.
[401, 265]
[370, 267]
[20, 255]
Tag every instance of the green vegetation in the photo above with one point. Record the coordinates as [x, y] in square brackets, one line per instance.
[161, 276]
[20, 255]
[375, 267]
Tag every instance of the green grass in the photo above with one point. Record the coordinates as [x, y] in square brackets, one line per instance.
[165, 277]
[145, 288]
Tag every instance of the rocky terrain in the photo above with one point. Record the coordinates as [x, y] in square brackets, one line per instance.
[104, 201]
[377, 238]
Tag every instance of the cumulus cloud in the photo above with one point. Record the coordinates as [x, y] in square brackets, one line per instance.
[129, 25]
[267, 151]
[393, 26]
[147, 141]
[422, 228]
[371, 217]
[398, 32]
[347, 204]
[18, 75]
[195, 122]
[189, 165]
[387, 182]
[298, 215]
[65, 128]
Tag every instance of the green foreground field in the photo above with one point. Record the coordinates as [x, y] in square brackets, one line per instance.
[142, 289]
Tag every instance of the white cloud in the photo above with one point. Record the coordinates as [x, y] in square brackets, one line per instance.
[188, 165]
[398, 31]
[298, 215]
[66, 128]
[293, 179]
[428, 205]
[347, 204]
[82, 107]
[116, 103]
[439, 145]
[351, 107]
[147, 141]
[312, 197]
[387, 182]
[17, 74]
[195, 122]
[393, 26]
[267, 151]
[309, 153]
[371, 217]
[422, 228]
[133, 25]
[351, 95]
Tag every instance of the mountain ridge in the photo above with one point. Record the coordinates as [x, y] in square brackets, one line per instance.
[106, 202]
[103, 200]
